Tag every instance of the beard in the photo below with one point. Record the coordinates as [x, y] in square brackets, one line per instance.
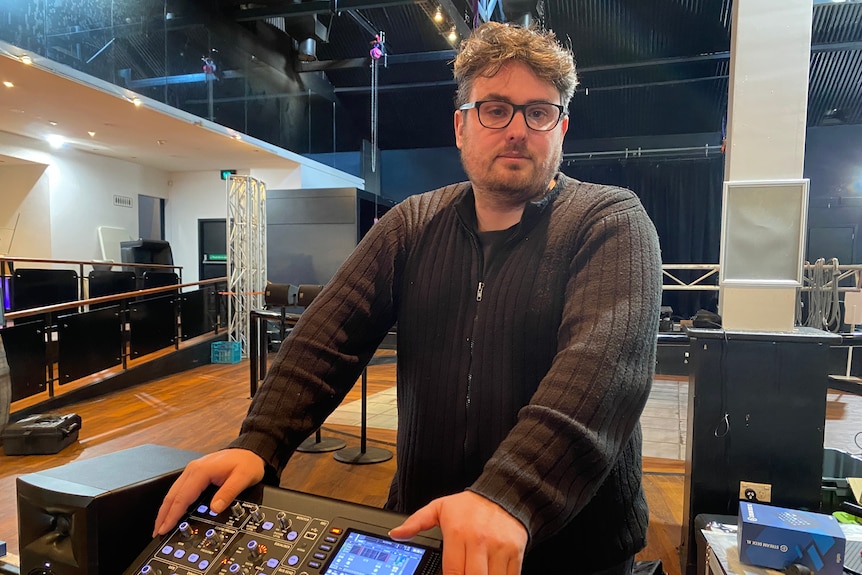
[511, 185]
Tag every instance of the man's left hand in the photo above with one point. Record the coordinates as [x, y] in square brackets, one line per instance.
[479, 536]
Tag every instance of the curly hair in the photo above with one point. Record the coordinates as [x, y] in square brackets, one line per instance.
[493, 44]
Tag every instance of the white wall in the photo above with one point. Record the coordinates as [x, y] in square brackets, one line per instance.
[60, 197]
[58, 212]
[193, 196]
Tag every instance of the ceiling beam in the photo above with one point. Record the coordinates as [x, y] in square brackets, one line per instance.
[457, 19]
[313, 7]
[391, 59]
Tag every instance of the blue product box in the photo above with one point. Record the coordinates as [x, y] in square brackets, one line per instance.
[776, 537]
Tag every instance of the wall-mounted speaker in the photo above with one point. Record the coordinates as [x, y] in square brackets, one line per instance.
[93, 517]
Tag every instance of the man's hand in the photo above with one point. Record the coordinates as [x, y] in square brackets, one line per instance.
[233, 470]
[479, 536]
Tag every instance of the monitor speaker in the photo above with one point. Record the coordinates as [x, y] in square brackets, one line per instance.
[93, 517]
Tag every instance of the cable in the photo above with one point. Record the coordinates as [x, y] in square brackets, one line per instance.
[823, 299]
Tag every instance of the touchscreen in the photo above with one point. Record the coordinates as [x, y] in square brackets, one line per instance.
[364, 554]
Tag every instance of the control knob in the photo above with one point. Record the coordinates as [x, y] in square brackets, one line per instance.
[255, 550]
[236, 510]
[186, 530]
[283, 520]
[256, 513]
[213, 538]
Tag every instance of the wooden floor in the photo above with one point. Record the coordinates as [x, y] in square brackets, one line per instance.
[201, 410]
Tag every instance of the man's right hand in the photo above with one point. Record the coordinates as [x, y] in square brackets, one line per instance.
[233, 470]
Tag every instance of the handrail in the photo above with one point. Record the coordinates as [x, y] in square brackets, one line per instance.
[108, 298]
[15, 259]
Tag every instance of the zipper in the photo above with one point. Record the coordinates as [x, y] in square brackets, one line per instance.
[468, 436]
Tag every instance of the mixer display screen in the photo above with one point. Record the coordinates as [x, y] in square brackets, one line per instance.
[364, 554]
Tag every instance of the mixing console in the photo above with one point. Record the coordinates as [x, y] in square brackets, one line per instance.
[272, 531]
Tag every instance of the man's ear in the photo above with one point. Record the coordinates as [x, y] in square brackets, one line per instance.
[459, 125]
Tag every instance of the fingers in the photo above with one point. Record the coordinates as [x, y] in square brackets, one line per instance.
[479, 537]
[182, 493]
[233, 486]
[232, 469]
[423, 519]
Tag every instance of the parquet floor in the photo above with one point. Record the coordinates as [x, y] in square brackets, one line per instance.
[202, 409]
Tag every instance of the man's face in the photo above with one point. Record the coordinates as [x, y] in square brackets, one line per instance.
[514, 164]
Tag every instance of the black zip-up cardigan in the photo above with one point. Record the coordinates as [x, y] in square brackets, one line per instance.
[522, 380]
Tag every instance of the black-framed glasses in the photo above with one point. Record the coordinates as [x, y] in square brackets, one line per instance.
[496, 114]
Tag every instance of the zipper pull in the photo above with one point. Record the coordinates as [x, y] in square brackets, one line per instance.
[479, 291]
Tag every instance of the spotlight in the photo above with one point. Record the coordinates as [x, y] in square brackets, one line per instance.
[8, 84]
[307, 50]
[438, 15]
[25, 59]
[137, 102]
[453, 36]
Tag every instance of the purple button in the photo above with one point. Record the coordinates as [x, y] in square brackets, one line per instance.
[167, 549]
[252, 544]
[202, 509]
[291, 535]
[193, 558]
[273, 562]
[234, 568]
[293, 560]
[203, 564]
[180, 553]
[267, 525]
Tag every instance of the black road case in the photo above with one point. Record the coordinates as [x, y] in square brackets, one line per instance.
[41, 434]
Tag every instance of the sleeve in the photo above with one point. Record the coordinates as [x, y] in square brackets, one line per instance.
[587, 407]
[326, 351]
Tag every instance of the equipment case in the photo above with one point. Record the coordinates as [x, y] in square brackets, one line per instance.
[41, 434]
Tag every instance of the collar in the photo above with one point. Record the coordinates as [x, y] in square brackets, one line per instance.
[465, 206]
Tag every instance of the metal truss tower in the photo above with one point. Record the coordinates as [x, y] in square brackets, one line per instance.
[246, 258]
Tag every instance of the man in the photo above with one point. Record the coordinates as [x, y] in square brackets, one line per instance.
[527, 306]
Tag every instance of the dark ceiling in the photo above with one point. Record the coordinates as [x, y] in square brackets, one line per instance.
[647, 67]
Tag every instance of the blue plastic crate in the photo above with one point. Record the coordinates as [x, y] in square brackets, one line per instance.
[225, 352]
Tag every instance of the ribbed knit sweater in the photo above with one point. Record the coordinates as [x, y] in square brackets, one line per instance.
[521, 379]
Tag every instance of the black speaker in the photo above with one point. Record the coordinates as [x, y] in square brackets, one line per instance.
[307, 293]
[93, 517]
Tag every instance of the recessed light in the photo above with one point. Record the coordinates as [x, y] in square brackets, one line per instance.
[25, 59]
[92, 134]
[55, 140]
[137, 102]
[237, 137]
[8, 84]
[52, 122]
[161, 142]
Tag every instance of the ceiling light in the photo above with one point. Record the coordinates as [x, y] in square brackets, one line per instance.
[8, 84]
[453, 35]
[438, 15]
[52, 122]
[92, 134]
[55, 140]
[237, 137]
[25, 59]
[137, 102]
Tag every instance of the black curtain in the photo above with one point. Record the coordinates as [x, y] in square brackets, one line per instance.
[683, 198]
